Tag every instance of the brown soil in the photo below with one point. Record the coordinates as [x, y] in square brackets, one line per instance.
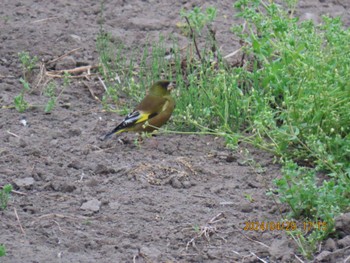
[175, 198]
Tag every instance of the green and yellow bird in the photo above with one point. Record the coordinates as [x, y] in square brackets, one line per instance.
[155, 109]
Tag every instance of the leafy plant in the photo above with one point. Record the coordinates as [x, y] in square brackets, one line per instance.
[4, 196]
[300, 110]
[198, 19]
[2, 251]
[20, 103]
[28, 62]
[50, 92]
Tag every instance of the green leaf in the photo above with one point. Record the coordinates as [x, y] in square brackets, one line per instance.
[20, 104]
[50, 105]
[2, 251]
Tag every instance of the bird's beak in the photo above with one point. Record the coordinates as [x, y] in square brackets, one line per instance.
[171, 86]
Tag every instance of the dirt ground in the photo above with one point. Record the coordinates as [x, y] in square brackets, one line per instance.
[175, 198]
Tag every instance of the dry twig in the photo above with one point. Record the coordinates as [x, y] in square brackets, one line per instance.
[252, 253]
[64, 55]
[258, 242]
[14, 191]
[194, 39]
[13, 134]
[59, 73]
[91, 91]
[19, 222]
[207, 230]
[44, 20]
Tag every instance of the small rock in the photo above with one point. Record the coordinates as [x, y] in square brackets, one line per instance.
[330, 245]
[186, 184]
[281, 251]
[342, 223]
[75, 165]
[75, 38]
[176, 183]
[246, 208]
[22, 143]
[323, 256]
[345, 242]
[102, 169]
[62, 187]
[66, 63]
[25, 183]
[91, 205]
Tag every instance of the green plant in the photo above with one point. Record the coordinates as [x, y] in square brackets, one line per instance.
[198, 19]
[299, 187]
[50, 92]
[28, 62]
[249, 198]
[300, 110]
[2, 251]
[311, 200]
[20, 103]
[4, 196]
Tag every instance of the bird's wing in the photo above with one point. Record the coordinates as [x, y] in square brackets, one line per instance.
[151, 104]
[135, 117]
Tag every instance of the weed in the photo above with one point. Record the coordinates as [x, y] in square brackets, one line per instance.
[50, 92]
[300, 112]
[20, 103]
[28, 62]
[2, 251]
[249, 198]
[198, 20]
[4, 196]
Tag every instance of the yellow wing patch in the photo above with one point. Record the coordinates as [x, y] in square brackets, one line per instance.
[144, 116]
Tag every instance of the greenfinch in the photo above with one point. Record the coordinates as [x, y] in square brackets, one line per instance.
[155, 109]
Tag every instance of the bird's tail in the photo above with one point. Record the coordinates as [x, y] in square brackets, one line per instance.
[109, 135]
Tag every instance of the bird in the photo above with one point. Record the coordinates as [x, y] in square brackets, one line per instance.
[155, 109]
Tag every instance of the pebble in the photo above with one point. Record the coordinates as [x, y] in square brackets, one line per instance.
[91, 205]
[25, 183]
[176, 183]
[330, 245]
[342, 223]
[344, 242]
[66, 63]
[323, 256]
[246, 208]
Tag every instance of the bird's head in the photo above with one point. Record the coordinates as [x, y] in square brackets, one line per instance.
[162, 87]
